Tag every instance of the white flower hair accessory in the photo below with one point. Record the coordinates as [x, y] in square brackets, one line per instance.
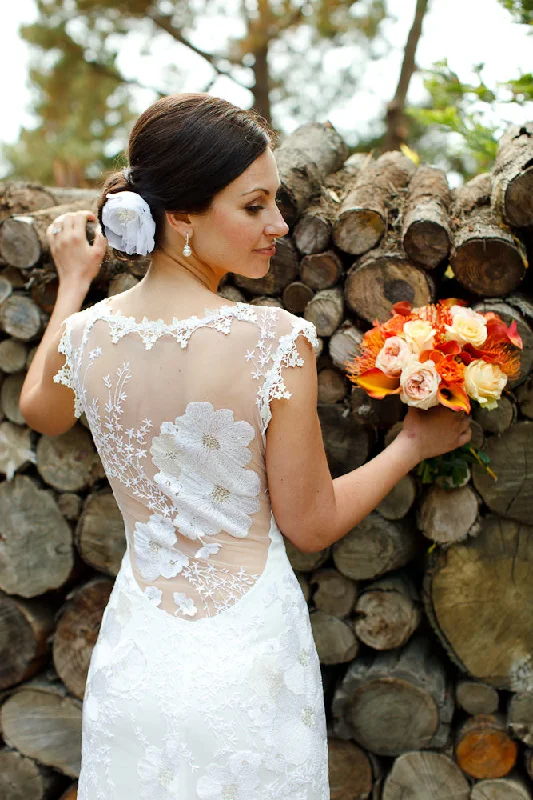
[128, 223]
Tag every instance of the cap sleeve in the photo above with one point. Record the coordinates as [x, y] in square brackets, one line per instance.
[67, 375]
[285, 355]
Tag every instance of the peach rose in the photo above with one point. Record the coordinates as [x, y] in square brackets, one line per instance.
[484, 382]
[419, 384]
[468, 327]
[393, 356]
[420, 334]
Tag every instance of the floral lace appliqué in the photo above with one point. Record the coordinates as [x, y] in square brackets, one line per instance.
[269, 357]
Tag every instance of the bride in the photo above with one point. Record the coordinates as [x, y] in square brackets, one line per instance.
[204, 681]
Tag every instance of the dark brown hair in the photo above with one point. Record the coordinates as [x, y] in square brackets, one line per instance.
[184, 149]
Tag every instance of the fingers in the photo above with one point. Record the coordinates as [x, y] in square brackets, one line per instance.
[99, 244]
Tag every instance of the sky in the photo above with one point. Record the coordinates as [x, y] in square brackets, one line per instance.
[466, 32]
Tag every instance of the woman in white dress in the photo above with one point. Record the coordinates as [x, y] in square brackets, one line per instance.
[204, 682]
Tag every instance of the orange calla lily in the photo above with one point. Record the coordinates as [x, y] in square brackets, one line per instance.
[514, 336]
[404, 308]
[377, 384]
[449, 348]
[452, 395]
[433, 355]
[453, 301]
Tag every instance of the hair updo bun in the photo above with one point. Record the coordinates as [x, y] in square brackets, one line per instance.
[183, 150]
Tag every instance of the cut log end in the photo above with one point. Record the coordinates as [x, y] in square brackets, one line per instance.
[427, 243]
[358, 230]
[484, 748]
[489, 267]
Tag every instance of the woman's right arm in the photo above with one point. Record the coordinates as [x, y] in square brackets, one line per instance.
[312, 509]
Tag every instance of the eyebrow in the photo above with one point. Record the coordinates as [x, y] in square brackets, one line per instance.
[257, 189]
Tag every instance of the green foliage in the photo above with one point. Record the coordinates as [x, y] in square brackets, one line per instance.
[451, 467]
[84, 105]
[460, 108]
[522, 9]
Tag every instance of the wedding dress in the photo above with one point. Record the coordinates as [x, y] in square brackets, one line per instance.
[204, 681]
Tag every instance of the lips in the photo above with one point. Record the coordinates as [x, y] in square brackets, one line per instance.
[267, 251]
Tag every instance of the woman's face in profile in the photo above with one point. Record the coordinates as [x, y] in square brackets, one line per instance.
[238, 231]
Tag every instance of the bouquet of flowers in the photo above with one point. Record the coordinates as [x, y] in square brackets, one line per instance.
[444, 353]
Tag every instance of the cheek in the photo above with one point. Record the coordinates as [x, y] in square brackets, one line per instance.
[237, 231]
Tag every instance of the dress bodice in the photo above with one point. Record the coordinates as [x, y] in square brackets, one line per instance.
[178, 412]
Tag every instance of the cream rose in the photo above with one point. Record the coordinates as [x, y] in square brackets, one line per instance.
[484, 382]
[420, 334]
[393, 356]
[419, 384]
[468, 327]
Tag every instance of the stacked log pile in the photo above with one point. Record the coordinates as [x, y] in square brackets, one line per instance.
[421, 614]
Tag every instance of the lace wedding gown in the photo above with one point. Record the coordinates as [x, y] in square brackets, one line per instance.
[204, 682]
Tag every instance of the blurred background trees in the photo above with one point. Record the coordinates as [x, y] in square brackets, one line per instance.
[293, 60]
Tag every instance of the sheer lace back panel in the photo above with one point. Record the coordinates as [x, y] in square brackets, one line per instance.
[178, 413]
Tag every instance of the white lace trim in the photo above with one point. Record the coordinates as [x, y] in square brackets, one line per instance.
[68, 370]
[151, 330]
[285, 355]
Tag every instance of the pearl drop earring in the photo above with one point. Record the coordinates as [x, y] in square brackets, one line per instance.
[187, 250]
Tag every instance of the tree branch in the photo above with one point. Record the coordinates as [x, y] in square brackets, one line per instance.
[165, 24]
[110, 72]
[396, 125]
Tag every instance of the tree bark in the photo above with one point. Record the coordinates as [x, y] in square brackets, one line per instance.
[397, 128]
[426, 227]
[362, 217]
[304, 159]
[487, 258]
[512, 184]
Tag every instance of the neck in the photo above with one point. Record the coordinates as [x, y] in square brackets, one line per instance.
[173, 272]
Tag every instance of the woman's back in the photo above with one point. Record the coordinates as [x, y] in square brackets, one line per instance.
[178, 412]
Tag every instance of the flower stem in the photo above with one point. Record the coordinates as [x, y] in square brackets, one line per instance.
[485, 466]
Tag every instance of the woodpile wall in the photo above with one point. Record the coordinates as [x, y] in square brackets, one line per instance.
[422, 614]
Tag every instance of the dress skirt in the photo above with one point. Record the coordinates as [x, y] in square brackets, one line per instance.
[228, 707]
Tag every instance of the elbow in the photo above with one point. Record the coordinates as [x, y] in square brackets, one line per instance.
[306, 538]
[40, 423]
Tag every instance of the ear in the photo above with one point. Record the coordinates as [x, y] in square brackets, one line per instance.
[180, 223]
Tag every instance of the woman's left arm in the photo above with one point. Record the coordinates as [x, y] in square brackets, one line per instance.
[48, 407]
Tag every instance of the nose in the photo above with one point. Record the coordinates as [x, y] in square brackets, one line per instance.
[277, 226]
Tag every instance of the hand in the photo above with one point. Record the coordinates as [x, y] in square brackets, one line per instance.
[436, 431]
[76, 260]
